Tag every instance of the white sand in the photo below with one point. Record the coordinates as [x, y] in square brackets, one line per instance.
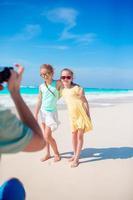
[106, 168]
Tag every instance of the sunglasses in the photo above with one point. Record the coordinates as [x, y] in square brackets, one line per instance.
[46, 74]
[65, 77]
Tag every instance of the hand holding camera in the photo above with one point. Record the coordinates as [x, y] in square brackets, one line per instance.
[5, 74]
[13, 78]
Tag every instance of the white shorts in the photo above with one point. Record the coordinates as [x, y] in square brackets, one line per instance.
[50, 119]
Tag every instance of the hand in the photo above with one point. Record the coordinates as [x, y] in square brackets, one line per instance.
[15, 79]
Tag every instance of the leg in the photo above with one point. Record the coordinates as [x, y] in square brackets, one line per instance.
[12, 190]
[52, 142]
[47, 156]
[74, 144]
[80, 135]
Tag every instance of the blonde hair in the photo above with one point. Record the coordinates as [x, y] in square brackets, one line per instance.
[69, 70]
[47, 67]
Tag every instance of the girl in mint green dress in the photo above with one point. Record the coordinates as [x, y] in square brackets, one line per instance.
[47, 105]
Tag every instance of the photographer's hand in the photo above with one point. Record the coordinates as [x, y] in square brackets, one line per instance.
[15, 79]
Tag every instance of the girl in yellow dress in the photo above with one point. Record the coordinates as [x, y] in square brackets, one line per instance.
[79, 114]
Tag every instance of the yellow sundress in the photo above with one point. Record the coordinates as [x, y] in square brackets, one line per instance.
[77, 114]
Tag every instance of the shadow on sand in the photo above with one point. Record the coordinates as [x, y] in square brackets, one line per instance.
[96, 154]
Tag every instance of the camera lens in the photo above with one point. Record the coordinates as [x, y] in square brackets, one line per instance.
[5, 74]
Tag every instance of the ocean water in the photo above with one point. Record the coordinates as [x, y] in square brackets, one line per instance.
[95, 96]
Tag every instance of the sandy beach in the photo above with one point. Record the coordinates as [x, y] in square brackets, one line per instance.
[106, 165]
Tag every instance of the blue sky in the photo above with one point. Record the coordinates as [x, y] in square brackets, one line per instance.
[92, 37]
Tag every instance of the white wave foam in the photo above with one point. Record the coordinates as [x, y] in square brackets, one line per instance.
[97, 99]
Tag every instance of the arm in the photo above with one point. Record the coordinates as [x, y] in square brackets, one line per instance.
[38, 105]
[85, 102]
[59, 86]
[37, 141]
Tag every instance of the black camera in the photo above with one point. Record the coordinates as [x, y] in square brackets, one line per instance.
[5, 74]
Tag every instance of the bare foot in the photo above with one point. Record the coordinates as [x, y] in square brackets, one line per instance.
[71, 159]
[57, 158]
[45, 158]
[75, 163]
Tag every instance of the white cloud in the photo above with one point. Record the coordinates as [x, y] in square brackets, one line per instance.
[68, 16]
[63, 15]
[86, 38]
[29, 32]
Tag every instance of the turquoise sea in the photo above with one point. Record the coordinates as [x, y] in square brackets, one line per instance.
[34, 90]
[95, 96]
